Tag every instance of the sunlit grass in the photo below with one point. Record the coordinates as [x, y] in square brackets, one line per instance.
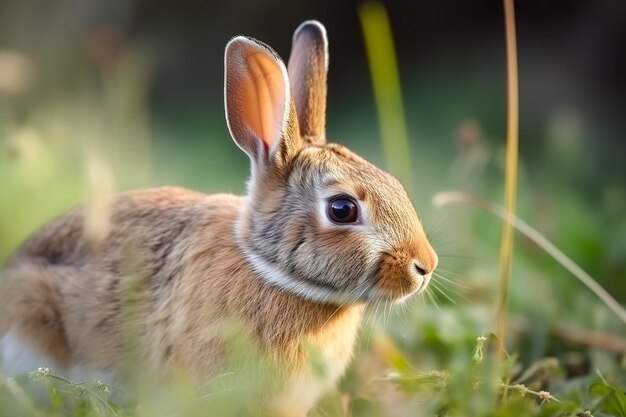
[394, 138]
[452, 197]
[510, 174]
[383, 65]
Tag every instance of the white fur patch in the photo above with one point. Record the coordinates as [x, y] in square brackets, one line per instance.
[19, 358]
[310, 291]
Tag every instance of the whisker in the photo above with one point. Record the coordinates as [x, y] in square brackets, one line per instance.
[450, 282]
[404, 309]
[439, 245]
[372, 324]
[447, 269]
[442, 292]
[388, 307]
[368, 324]
[432, 297]
[351, 303]
[441, 227]
[453, 270]
[422, 296]
[453, 282]
[455, 292]
[461, 257]
[384, 313]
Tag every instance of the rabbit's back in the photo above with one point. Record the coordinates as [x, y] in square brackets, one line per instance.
[148, 217]
[77, 298]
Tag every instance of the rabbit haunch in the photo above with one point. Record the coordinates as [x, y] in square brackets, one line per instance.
[274, 261]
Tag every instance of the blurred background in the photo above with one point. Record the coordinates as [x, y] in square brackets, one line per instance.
[99, 96]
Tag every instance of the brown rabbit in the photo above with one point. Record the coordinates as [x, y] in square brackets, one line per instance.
[320, 232]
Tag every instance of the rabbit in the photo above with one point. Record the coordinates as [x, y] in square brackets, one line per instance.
[319, 234]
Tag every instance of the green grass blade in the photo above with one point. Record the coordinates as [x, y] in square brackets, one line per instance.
[386, 82]
[448, 197]
[510, 175]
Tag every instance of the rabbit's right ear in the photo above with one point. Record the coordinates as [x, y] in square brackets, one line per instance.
[259, 109]
[308, 66]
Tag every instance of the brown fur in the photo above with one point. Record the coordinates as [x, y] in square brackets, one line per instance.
[67, 299]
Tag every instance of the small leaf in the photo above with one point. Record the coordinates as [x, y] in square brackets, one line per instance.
[599, 388]
[613, 401]
[416, 381]
[540, 368]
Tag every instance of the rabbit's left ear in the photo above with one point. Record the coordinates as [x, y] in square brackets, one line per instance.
[259, 108]
[308, 65]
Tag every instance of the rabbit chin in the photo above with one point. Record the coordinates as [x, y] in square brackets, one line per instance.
[398, 288]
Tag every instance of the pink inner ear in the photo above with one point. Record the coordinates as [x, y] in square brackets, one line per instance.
[263, 95]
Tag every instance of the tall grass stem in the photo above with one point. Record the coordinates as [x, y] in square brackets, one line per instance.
[510, 175]
[388, 94]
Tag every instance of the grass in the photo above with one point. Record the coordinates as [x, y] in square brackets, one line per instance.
[428, 357]
[510, 172]
[377, 33]
[387, 90]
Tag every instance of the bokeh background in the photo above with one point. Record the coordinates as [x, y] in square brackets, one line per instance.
[100, 96]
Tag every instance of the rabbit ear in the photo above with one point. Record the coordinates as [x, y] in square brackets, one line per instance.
[259, 108]
[308, 65]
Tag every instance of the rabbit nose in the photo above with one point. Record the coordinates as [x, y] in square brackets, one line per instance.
[424, 264]
[424, 267]
[420, 271]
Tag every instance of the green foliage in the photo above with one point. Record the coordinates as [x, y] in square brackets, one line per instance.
[474, 383]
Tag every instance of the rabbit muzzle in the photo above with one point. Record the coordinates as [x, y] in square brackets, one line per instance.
[400, 275]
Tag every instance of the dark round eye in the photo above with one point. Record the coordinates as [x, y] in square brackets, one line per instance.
[343, 209]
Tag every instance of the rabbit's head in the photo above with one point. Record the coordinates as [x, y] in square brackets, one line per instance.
[319, 221]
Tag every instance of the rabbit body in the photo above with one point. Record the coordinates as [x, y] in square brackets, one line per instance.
[320, 232]
[68, 298]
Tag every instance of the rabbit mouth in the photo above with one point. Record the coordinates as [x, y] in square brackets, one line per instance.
[398, 278]
[425, 280]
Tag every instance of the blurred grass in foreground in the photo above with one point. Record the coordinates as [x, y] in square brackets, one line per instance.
[418, 359]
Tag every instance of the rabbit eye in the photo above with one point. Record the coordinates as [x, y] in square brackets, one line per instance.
[343, 209]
